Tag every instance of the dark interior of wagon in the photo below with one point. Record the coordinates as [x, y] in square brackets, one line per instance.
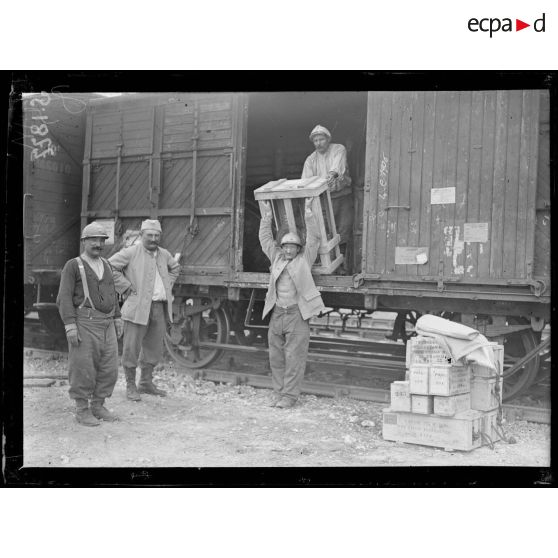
[277, 145]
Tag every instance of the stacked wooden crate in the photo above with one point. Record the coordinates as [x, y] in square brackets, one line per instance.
[444, 403]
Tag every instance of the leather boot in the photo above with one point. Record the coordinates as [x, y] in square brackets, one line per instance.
[131, 390]
[99, 411]
[84, 415]
[146, 384]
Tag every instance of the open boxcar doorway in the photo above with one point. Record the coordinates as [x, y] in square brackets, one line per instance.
[278, 127]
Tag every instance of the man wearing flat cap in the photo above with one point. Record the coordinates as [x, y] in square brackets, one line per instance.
[89, 308]
[329, 160]
[144, 275]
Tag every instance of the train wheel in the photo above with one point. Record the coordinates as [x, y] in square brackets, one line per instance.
[516, 346]
[182, 342]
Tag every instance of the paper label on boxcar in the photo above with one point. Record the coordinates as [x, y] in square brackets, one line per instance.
[475, 232]
[442, 195]
[411, 255]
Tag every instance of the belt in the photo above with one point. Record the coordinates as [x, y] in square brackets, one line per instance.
[286, 309]
[158, 301]
[91, 313]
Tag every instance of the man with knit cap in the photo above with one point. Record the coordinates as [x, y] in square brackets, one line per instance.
[293, 299]
[329, 160]
[144, 275]
[89, 309]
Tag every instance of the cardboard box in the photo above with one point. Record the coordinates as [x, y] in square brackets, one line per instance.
[418, 379]
[452, 405]
[466, 431]
[449, 380]
[425, 350]
[486, 394]
[423, 404]
[400, 396]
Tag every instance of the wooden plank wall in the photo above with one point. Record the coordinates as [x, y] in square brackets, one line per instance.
[156, 141]
[52, 213]
[482, 144]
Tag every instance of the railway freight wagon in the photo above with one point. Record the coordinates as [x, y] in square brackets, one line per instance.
[53, 137]
[451, 206]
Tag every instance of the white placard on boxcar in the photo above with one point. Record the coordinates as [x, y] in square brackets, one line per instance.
[475, 232]
[411, 255]
[442, 195]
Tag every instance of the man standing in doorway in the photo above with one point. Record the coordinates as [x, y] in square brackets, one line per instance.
[329, 160]
[144, 275]
[89, 309]
[293, 297]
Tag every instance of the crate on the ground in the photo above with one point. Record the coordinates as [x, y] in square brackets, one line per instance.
[422, 404]
[486, 393]
[449, 379]
[425, 350]
[400, 396]
[419, 378]
[483, 371]
[451, 405]
[466, 431]
[287, 198]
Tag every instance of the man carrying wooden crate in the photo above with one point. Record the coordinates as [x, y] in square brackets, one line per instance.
[294, 299]
[329, 160]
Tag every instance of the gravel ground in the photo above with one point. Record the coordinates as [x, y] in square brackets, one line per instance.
[204, 424]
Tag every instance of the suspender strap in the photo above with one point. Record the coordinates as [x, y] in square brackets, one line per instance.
[85, 285]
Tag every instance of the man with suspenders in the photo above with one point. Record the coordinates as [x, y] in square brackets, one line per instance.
[89, 309]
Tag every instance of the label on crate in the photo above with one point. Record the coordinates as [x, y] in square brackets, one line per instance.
[400, 396]
[418, 379]
[426, 350]
[450, 380]
[460, 433]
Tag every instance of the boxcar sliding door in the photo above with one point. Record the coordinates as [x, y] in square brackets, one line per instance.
[175, 157]
[451, 185]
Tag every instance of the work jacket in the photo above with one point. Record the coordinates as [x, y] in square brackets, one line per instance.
[134, 268]
[309, 300]
[334, 159]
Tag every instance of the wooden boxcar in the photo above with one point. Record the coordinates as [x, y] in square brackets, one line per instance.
[451, 203]
[53, 137]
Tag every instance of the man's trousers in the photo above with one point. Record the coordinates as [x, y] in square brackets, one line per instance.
[289, 338]
[143, 344]
[93, 364]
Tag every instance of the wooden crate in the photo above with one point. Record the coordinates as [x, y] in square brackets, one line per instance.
[498, 357]
[400, 396]
[452, 405]
[425, 350]
[466, 431]
[287, 203]
[422, 404]
[449, 380]
[486, 393]
[418, 379]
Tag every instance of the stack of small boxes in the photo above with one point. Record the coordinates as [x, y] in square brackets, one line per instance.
[443, 403]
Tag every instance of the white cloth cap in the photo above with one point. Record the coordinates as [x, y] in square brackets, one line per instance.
[320, 130]
[151, 224]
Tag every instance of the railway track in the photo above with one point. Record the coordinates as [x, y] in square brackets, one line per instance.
[254, 372]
